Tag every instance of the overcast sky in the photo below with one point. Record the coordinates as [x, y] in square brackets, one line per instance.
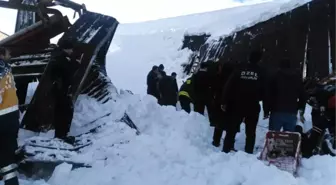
[128, 11]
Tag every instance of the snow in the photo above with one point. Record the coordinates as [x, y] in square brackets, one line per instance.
[137, 47]
[174, 147]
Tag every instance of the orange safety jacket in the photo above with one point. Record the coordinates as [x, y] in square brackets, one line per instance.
[8, 98]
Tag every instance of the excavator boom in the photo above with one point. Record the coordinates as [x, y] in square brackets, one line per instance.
[31, 50]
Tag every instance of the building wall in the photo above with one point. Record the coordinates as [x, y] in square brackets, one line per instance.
[305, 35]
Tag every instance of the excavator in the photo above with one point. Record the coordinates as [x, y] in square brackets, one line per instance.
[37, 22]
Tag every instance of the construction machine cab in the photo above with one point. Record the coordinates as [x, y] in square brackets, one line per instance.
[36, 23]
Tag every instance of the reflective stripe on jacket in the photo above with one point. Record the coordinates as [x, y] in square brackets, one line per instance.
[8, 98]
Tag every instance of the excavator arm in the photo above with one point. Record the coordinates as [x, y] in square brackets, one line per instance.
[31, 53]
[14, 4]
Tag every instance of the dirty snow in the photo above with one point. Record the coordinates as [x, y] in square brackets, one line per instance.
[174, 148]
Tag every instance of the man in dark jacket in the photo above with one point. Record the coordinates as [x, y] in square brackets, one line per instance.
[219, 120]
[286, 98]
[168, 90]
[202, 87]
[185, 95]
[64, 67]
[241, 96]
[152, 80]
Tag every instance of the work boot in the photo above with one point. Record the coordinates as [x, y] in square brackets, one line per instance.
[215, 144]
[70, 140]
[20, 155]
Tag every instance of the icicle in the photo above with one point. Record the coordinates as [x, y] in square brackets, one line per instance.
[234, 36]
[304, 67]
[329, 54]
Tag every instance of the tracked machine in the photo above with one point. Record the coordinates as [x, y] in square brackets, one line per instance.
[37, 23]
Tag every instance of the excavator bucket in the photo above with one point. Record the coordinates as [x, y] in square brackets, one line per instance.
[92, 33]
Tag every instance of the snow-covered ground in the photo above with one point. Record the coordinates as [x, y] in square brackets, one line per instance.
[174, 148]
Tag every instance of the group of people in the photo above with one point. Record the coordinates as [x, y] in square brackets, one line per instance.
[231, 92]
[162, 86]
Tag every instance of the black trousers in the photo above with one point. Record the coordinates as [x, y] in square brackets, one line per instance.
[63, 116]
[217, 135]
[251, 121]
[185, 103]
[151, 91]
[9, 127]
[311, 141]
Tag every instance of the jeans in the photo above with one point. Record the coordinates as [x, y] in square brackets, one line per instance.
[279, 120]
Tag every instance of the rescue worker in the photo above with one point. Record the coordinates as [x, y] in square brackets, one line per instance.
[185, 95]
[240, 99]
[322, 100]
[202, 87]
[174, 75]
[168, 90]
[152, 80]
[286, 96]
[9, 120]
[161, 70]
[64, 67]
[220, 118]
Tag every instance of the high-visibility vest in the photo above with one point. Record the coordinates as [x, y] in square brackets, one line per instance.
[184, 93]
[184, 88]
[8, 98]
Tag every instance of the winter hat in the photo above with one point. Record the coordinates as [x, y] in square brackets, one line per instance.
[161, 67]
[332, 102]
[155, 67]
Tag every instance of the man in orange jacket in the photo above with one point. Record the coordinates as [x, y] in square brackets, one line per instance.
[9, 121]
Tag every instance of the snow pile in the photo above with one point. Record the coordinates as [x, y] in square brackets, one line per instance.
[174, 148]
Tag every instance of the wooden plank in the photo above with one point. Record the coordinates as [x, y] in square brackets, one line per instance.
[237, 47]
[318, 39]
[281, 34]
[298, 30]
[331, 25]
[268, 40]
[227, 42]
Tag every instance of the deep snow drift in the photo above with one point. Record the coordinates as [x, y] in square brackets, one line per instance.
[174, 148]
